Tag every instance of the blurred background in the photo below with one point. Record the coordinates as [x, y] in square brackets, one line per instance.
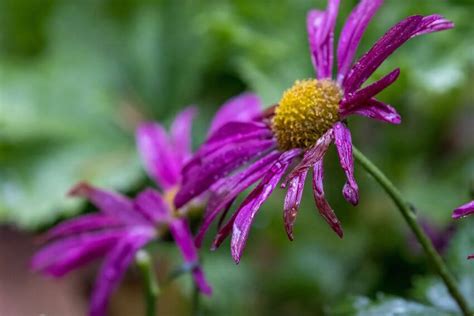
[77, 76]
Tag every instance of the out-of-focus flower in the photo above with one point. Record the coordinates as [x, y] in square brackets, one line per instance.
[123, 226]
[462, 211]
[440, 235]
[308, 118]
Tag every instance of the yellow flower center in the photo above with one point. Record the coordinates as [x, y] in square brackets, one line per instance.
[305, 112]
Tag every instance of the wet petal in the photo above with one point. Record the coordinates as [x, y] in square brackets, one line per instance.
[241, 108]
[388, 43]
[231, 188]
[377, 110]
[114, 268]
[320, 26]
[183, 237]
[250, 206]
[109, 202]
[157, 154]
[343, 141]
[464, 210]
[324, 208]
[352, 32]
[181, 134]
[151, 204]
[353, 100]
[292, 202]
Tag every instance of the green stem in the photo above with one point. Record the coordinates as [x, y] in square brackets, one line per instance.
[410, 218]
[150, 285]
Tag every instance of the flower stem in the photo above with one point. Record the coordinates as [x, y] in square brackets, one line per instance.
[410, 217]
[150, 286]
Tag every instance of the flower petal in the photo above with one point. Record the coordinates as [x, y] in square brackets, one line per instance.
[109, 202]
[81, 224]
[151, 204]
[62, 256]
[114, 268]
[320, 26]
[343, 141]
[157, 154]
[292, 202]
[203, 172]
[377, 110]
[324, 208]
[471, 256]
[352, 100]
[252, 203]
[388, 43]
[352, 32]
[183, 237]
[464, 210]
[241, 108]
[231, 188]
[181, 134]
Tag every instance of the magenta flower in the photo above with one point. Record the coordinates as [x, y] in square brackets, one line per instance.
[309, 117]
[123, 226]
[462, 211]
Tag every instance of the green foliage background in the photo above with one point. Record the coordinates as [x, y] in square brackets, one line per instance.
[77, 76]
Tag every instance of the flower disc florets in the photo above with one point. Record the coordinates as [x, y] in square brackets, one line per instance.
[305, 112]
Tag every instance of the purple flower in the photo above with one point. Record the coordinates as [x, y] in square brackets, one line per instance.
[462, 211]
[309, 117]
[123, 226]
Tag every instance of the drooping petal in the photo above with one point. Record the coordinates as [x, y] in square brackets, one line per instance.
[377, 110]
[312, 155]
[115, 266]
[320, 26]
[64, 255]
[241, 108]
[108, 202]
[151, 204]
[250, 206]
[324, 208]
[183, 237]
[343, 141]
[207, 170]
[388, 43]
[231, 188]
[181, 134]
[464, 210]
[292, 202]
[353, 100]
[81, 224]
[157, 154]
[352, 32]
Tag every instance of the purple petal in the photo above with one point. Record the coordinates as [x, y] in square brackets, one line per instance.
[250, 206]
[471, 256]
[385, 46]
[292, 202]
[241, 108]
[206, 170]
[114, 268]
[352, 32]
[181, 134]
[312, 155]
[343, 141]
[151, 204]
[320, 26]
[324, 208]
[231, 188]
[157, 154]
[358, 98]
[81, 224]
[62, 256]
[183, 237]
[464, 210]
[109, 202]
[377, 110]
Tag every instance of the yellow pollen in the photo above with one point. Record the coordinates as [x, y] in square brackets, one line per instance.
[168, 196]
[305, 112]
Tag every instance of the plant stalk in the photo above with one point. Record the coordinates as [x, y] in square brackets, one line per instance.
[150, 285]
